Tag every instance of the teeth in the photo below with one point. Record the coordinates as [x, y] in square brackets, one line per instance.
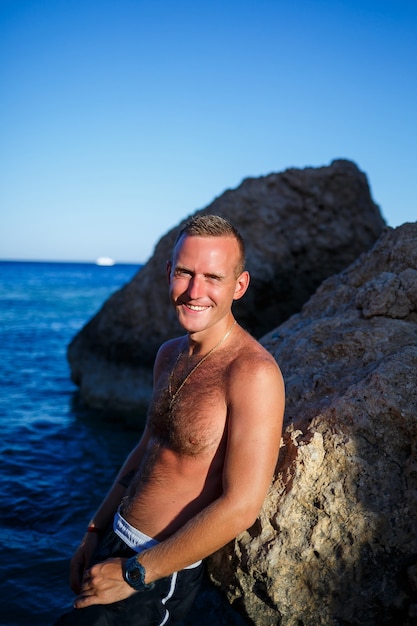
[194, 307]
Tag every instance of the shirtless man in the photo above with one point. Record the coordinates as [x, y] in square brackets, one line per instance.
[200, 473]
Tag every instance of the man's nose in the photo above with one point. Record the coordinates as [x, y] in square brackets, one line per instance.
[196, 287]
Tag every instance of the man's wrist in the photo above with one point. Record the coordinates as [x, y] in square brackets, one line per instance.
[96, 531]
[134, 574]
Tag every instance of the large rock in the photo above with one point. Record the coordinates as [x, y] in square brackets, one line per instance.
[301, 226]
[336, 543]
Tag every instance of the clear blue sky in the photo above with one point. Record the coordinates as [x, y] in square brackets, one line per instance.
[120, 118]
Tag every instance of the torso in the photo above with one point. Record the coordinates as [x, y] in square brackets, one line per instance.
[181, 472]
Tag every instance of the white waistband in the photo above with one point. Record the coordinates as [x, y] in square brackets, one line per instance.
[134, 538]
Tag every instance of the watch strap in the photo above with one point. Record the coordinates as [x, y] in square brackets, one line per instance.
[134, 574]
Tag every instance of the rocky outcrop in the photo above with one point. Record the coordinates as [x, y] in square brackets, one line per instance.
[336, 542]
[301, 226]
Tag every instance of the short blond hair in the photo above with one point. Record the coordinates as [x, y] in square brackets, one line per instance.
[214, 226]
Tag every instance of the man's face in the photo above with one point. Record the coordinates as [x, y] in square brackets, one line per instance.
[203, 282]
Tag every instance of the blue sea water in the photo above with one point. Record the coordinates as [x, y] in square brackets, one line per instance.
[57, 459]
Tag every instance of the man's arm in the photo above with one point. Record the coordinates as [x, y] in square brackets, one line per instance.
[256, 401]
[104, 514]
[256, 408]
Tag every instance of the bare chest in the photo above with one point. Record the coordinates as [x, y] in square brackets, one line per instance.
[188, 411]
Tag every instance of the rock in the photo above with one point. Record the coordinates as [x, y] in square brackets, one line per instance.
[336, 541]
[301, 226]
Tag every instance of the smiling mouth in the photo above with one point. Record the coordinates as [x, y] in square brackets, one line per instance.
[195, 307]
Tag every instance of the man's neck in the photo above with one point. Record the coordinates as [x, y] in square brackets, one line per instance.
[201, 343]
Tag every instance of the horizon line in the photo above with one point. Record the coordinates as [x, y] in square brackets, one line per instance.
[80, 262]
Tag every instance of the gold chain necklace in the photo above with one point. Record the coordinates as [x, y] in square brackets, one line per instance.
[173, 396]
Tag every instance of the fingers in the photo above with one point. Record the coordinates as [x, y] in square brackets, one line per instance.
[75, 579]
[76, 575]
[103, 584]
[93, 583]
[84, 600]
[81, 560]
[86, 592]
[86, 583]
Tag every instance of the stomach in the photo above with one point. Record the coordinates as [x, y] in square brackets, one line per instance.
[170, 490]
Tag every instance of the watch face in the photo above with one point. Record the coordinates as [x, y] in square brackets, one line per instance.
[134, 575]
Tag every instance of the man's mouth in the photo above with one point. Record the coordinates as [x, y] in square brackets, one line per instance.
[195, 307]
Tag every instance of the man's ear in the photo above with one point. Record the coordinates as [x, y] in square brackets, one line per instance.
[169, 267]
[242, 283]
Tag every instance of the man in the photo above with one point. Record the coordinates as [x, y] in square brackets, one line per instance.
[200, 473]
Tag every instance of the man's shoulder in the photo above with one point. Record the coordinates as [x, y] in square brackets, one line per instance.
[252, 356]
[254, 378]
[170, 346]
[167, 353]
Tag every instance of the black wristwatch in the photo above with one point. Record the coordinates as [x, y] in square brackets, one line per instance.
[134, 574]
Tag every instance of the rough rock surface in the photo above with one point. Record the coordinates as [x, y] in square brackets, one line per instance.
[336, 543]
[301, 226]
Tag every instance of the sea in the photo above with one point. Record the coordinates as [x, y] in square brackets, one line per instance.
[57, 457]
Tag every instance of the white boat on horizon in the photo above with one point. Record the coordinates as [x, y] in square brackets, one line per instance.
[105, 260]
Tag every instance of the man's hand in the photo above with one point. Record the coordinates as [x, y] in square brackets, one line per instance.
[104, 584]
[81, 560]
